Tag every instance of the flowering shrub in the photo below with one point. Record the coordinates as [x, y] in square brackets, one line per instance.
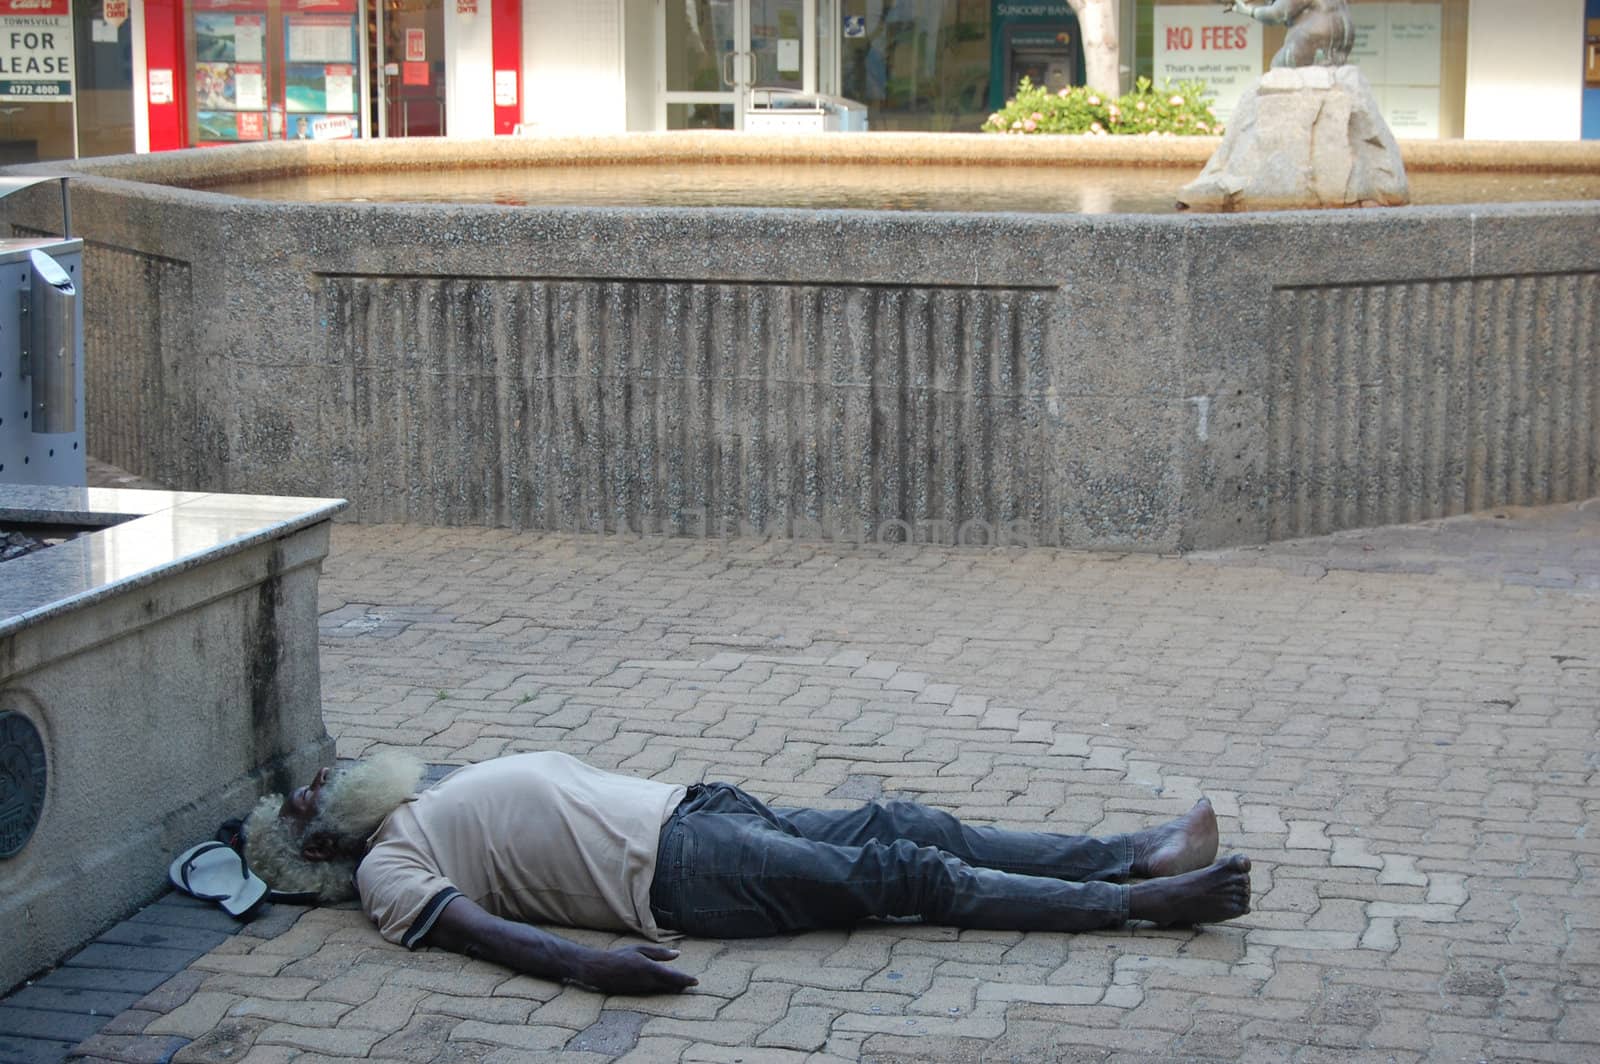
[1168, 111]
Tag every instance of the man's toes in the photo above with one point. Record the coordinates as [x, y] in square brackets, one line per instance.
[1239, 863]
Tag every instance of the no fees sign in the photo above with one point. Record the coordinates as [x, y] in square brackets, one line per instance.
[35, 50]
[1203, 44]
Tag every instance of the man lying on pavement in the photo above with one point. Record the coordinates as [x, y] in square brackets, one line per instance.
[469, 864]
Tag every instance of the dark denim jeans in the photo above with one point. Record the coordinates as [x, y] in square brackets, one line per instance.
[730, 867]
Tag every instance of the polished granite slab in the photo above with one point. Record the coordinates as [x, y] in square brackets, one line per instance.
[138, 538]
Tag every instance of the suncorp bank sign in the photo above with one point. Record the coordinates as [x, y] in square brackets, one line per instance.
[1041, 9]
[35, 50]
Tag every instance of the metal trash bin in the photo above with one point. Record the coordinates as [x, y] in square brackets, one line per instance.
[792, 111]
[41, 354]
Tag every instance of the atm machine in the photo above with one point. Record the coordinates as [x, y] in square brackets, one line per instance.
[41, 353]
[1043, 46]
[1044, 57]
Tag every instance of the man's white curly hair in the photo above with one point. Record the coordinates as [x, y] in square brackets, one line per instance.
[354, 802]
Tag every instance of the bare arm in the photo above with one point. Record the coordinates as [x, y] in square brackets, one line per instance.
[465, 927]
[1276, 13]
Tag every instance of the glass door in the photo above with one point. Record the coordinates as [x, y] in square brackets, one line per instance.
[413, 66]
[105, 81]
[716, 51]
[777, 46]
[702, 46]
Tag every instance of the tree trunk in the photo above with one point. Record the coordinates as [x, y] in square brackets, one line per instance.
[1097, 21]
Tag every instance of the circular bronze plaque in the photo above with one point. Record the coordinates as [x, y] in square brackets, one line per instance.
[22, 778]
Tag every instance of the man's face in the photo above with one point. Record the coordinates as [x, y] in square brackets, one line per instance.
[301, 805]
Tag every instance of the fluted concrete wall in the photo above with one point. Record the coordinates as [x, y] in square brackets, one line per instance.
[1396, 402]
[143, 375]
[1150, 383]
[682, 406]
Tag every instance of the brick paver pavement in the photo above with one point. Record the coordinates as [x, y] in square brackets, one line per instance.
[1399, 727]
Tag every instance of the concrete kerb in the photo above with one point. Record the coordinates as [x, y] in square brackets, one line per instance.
[132, 973]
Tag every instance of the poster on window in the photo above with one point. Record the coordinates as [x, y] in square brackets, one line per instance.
[333, 127]
[36, 50]
[323, 127]
[228, 78]
[1398, 48]
[320, 6]
[230, 86]
[249, 87]
[1369, 52]
[319, 39]
[317, 88]
[213, 86]
[340, 88]
[221, 127]
[1415, 43]
[229, 38]
[1411, 111]
[1206, 44]
[505, 88]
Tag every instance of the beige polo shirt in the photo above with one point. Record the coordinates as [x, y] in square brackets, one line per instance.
[538, 838]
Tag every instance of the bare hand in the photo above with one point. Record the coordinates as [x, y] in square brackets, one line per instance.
[466, 927]
[634, 970]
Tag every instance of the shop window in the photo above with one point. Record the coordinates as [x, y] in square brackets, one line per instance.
[37, 76]
[918, 66]
[1591, 71]
[104, 44]
[1413, 54]
[274, 69]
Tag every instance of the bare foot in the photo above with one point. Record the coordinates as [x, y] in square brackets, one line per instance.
[1179, 846]
[1206, 896]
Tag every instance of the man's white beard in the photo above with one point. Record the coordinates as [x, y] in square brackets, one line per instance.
[357, 799]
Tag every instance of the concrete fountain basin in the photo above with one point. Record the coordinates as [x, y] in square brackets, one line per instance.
[1114, 380]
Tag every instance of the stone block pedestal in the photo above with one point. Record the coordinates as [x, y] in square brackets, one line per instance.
[1303, 137]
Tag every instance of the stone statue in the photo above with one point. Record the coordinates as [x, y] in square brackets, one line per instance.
[1310, 132]
[1320, 31]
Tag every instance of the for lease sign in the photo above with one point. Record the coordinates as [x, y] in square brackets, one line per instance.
[35, 50]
